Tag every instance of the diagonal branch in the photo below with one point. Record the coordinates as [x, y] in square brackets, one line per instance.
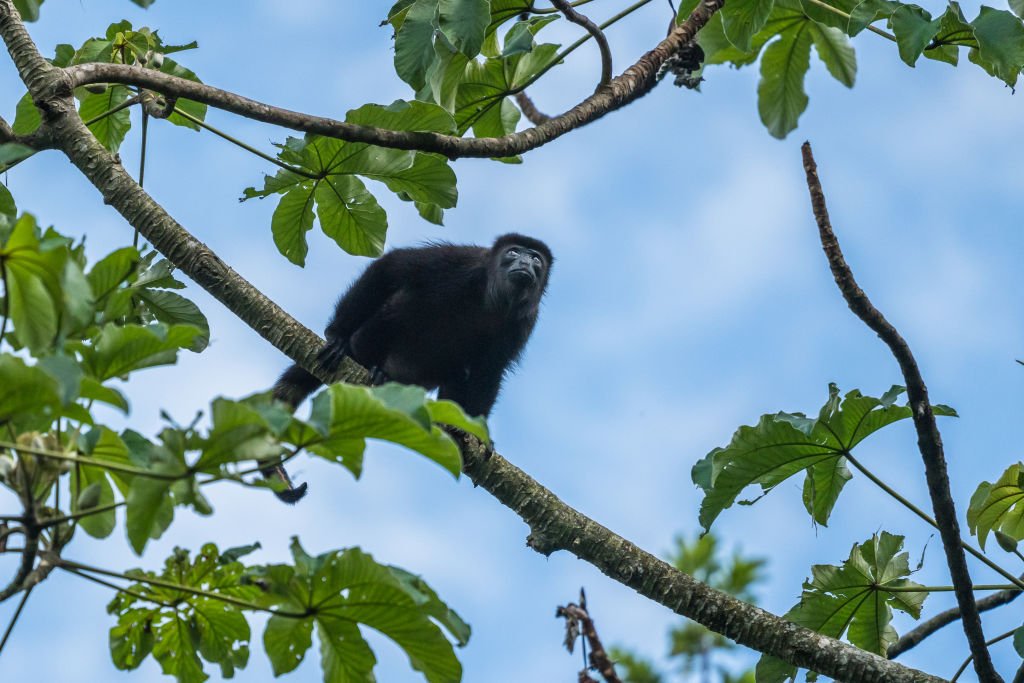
[595, 31]
[929, 441]
[915, 636]
[632, 84]
[6, 134]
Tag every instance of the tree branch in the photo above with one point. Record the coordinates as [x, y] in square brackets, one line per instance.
[915, 636]
[929, 441]
[632, 84]
[594, 30]
[6, 133]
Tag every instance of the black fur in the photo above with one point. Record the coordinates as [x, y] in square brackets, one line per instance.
[442, 316]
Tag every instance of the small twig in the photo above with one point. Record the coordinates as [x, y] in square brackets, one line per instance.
[14, 619]
[131, 101]
[247, 147]
[599, 37]
[142, 163]
[578, 621]
[119, 589]
[914, 637]
[967, 661]
[7, 298]
[529, 109]
[929, 441]
[54, 521]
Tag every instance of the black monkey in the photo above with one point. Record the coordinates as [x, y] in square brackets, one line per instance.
[442, 316]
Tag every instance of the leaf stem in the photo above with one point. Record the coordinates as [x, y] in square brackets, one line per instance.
[930, 520]
[248, 148]
[170, 585]
[14, 619]
[836, 10]
[970, 658]
[113, 467]
[54, 521]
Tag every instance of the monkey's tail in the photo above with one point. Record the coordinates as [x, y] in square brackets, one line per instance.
[294, 385]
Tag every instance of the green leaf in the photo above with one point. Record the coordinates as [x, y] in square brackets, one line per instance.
[914, 30]
[8, 212]
[12, 153]
[741, 19]
[27, 390]
[342, 590]
[150, 508]
[1000, 37]
[464, 22]
[835, 50]
[429, 180]
[414, 42]
[121, 350]
[345, 415]
[28, 9]
[33, 290]
[26, 117]
[239, 432]
[168, 307]
[998, 507]
[785, 444]
[403, 115]
[953, 32]
[93, 479]
[858, 597]
[780, 94]
[110, 129]
[351, 216]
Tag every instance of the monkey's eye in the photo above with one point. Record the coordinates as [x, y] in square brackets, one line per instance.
[513, 252]
[537, 260]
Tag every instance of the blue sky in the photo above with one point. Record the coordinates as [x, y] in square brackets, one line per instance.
[689, 297]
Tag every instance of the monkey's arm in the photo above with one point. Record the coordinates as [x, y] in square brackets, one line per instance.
[367, 295]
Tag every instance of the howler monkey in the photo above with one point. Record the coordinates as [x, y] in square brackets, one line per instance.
[442, 316]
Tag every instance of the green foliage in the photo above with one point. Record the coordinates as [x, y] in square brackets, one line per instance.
[194, 612]
[338, 591]
[855, 598]
[997, 507]
[633, 668]
[322, 178]
[740, 32]
[102, 106]
[785, 444]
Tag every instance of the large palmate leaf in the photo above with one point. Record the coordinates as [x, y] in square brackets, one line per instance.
[855, 598]
[998, 507]
[345, 415]
[323, 182]
[785, 444]
[342, 590]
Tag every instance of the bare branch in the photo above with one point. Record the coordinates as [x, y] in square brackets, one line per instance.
[6, 134]
[578, 621]
[632, 84]
[929, 441]
[14, 619]
[914, 637]
[529, 109]
[594, 30]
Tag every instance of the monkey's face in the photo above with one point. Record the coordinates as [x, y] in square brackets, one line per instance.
[524, 268]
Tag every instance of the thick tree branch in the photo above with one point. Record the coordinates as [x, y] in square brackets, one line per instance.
[929, 441]
[632, 84]
[915, 636]
[554, 525]
[595, 31]
[6, 134]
